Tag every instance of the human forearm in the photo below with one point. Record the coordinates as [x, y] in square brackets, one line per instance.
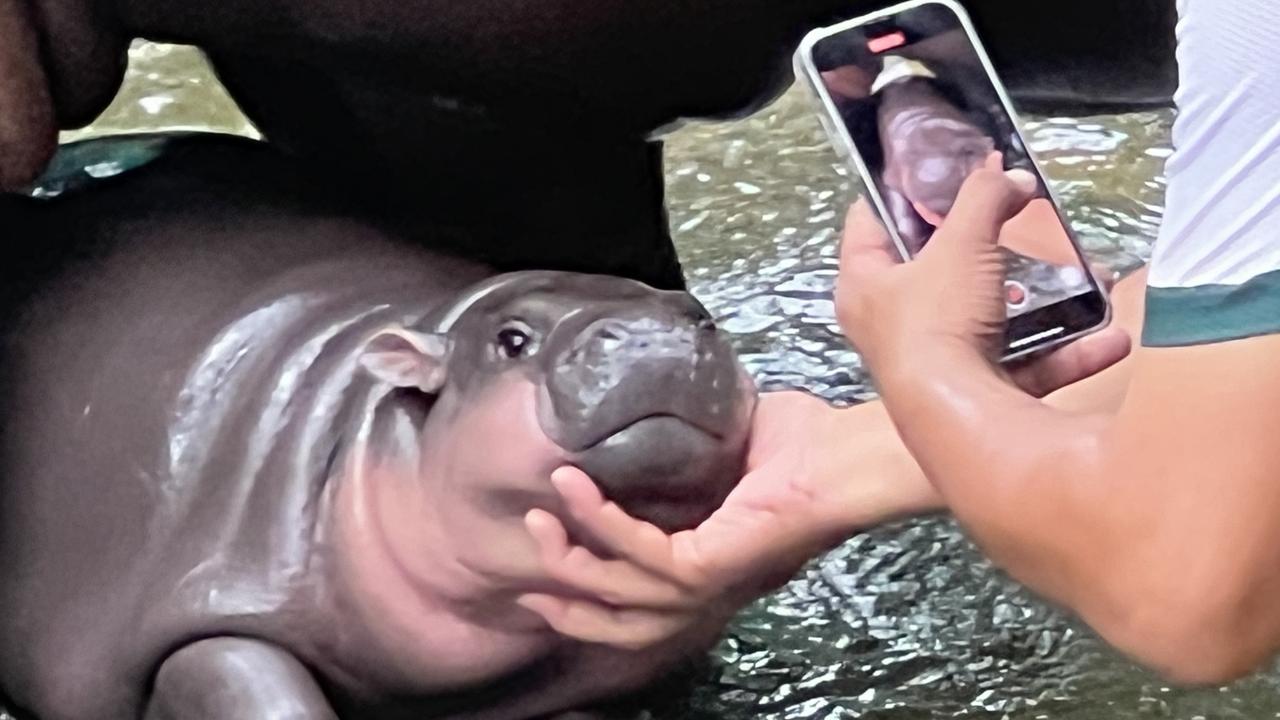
[863, 473]
[1042, 492]
[1155, 530]
[870, 477]
[1099, 395]
[862, 442]
[1010, 468]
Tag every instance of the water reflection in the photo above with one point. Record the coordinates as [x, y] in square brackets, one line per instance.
[756, 206]
[168, 87]
[903, 623]
[909, 622]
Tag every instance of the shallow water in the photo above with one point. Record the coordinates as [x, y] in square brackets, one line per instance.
[904, 623]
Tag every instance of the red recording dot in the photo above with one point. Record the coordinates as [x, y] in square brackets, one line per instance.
[1015, 293]
[886, 43]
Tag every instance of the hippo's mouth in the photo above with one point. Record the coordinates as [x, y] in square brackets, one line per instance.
[656, 410]
[665, 469]
[659, 423]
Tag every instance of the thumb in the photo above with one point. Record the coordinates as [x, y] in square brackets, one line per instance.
[987, 200]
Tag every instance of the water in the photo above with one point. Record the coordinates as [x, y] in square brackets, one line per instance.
[907, 622]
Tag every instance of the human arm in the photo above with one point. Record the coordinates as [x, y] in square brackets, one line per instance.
[1156, 522]
[1106, 512]
[815, 475]
[818, 475]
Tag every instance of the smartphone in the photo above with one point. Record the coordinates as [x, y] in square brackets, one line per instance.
[910, 99]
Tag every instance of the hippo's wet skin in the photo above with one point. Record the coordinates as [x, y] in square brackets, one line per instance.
[930, 147]
[265, 460]
[479, 114]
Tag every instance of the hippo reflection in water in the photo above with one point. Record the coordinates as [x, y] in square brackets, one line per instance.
[265, 461]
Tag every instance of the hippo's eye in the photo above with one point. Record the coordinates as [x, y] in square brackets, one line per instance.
[514, 342]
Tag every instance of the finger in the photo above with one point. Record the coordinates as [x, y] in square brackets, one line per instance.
[929, 216]
[987, 200]
[865, 247]
[592, 623]
[624, 536]
[1082, 359]
[615, 582]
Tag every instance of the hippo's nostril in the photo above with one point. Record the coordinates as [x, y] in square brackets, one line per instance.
[707, 324]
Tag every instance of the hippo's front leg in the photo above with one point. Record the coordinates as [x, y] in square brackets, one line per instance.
[236, 679]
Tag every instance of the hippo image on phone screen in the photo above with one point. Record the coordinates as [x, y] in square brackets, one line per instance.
[930, 148]
[261, 460]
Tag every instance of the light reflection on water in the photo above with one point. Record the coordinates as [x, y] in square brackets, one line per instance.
[908, 622]
[756, 207]
[904, 623]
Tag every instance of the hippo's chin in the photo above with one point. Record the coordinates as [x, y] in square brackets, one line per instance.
[665, 470]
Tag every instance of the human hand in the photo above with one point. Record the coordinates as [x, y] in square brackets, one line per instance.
[815, 476]
[949, 302]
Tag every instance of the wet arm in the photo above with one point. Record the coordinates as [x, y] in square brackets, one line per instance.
[862, 442]
[818, 475]
[1159, 524]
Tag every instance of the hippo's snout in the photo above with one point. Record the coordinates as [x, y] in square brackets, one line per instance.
[654, 405]
[620, 370]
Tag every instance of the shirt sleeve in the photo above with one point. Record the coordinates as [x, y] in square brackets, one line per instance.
[1215, 272]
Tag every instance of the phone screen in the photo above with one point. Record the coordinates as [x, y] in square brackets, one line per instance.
[923, 113]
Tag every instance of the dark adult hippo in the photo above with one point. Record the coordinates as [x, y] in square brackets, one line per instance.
[261, 459]
[469, 117]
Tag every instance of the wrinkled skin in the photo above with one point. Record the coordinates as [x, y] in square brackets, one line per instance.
[269, 459]
[930, 147]
[461, 119]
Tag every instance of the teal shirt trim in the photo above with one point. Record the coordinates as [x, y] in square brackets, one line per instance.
[1207, 314]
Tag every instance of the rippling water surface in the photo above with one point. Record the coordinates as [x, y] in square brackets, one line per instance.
[904, 623]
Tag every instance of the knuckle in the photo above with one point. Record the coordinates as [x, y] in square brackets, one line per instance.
[987, 183]
[987, 179]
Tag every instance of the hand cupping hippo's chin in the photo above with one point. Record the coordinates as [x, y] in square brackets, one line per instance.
[634, 385]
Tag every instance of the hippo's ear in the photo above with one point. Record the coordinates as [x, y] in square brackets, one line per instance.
[407, 359]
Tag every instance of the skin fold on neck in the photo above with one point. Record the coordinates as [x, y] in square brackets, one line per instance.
[427, 540]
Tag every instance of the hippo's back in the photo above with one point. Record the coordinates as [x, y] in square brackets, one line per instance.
[176, 384]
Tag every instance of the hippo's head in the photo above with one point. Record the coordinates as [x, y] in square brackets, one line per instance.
[529, 371]
[938, 155]
[931, 147]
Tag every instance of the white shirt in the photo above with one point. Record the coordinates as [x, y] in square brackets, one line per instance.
[1222, 218]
